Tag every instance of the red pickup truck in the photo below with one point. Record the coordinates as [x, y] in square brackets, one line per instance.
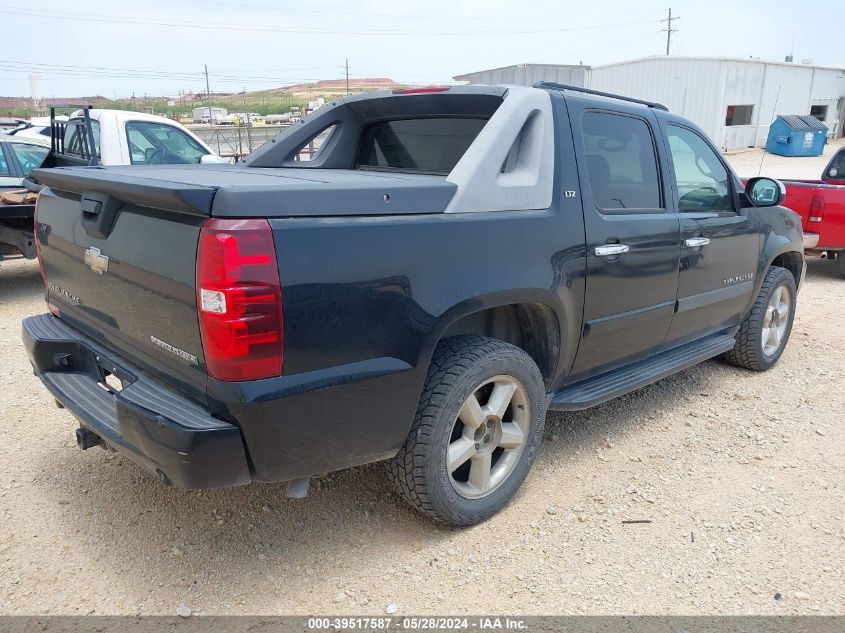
[821, 204]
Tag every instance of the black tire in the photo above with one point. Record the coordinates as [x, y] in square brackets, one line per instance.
[419, 471]
[840, 262]
[748, 351]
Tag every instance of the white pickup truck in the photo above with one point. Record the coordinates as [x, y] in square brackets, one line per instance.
[134, 138]
[119, 137]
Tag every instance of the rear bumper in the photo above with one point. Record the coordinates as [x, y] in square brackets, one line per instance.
[811, 240]
[162, 431]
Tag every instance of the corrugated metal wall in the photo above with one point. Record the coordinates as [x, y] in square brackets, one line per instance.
[690, 88]
[529, 74]
[829, 89]
[701, 89]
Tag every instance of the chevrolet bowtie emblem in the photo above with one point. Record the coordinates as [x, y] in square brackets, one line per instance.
[98, 262]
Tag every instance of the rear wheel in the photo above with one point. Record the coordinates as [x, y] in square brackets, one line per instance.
[840, 262]
[764, 333]
[476, 432]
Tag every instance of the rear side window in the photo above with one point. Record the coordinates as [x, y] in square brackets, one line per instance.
[430, 145]
[29, 156]
[5, 170]
[621, 162]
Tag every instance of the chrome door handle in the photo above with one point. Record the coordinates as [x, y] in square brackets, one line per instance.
[611, 249]
[694, 242]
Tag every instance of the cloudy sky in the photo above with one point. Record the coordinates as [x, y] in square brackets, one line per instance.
[158, 47]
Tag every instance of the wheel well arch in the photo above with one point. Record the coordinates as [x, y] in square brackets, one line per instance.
[533, 327]
[792, 261]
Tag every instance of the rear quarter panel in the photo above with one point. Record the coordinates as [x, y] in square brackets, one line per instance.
[799, 195]
[365, 301]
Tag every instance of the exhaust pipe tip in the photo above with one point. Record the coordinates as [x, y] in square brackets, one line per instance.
[86, 439]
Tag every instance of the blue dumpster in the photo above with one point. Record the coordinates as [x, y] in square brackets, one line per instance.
[796, 135]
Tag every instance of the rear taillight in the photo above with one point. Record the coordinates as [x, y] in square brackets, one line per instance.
[37, 230]
[816, 209]
[239, 299]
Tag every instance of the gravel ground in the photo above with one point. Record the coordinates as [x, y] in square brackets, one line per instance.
[740, 475]
[753, 162]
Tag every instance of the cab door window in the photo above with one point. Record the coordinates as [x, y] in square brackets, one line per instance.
[153, 143]
[702, 180]
[621, 162]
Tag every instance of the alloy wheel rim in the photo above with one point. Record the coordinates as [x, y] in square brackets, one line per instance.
[775, 321]
[488, 437]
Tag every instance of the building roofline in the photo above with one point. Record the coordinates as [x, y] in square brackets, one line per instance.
[716, 59]
[489, 70]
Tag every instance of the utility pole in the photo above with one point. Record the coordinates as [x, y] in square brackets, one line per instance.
[347, 76]
[210, 120]
[669, 30]
[248, 126]
[208, 94]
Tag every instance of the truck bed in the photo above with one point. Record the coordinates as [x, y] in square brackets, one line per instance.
[821, 206]
[226, 190]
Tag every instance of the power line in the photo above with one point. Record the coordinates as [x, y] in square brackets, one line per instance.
[152, 71]
[133, 73]
[268, 28]
[640, 38]
[449, 18]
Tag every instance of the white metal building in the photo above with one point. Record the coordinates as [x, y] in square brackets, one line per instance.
[733, 100]
[529, 74]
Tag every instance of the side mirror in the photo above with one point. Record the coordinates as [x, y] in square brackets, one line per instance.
[207, 159]
[765, 192]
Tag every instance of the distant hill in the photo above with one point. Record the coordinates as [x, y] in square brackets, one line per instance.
[324, 87]
[282, 97]
[335, 87]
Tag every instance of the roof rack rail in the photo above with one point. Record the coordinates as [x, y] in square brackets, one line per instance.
[557, 86]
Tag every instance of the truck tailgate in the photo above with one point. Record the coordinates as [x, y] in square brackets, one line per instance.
[125, 275]
[119, 244]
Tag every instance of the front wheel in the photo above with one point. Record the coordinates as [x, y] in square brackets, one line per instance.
[764, 333]
[476, 432]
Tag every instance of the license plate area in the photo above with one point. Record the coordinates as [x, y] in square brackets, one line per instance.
[110, 377]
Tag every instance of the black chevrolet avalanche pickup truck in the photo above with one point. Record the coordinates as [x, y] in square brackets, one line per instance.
[414, 276]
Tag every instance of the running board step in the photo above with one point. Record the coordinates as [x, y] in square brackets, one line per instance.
[593, 391]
